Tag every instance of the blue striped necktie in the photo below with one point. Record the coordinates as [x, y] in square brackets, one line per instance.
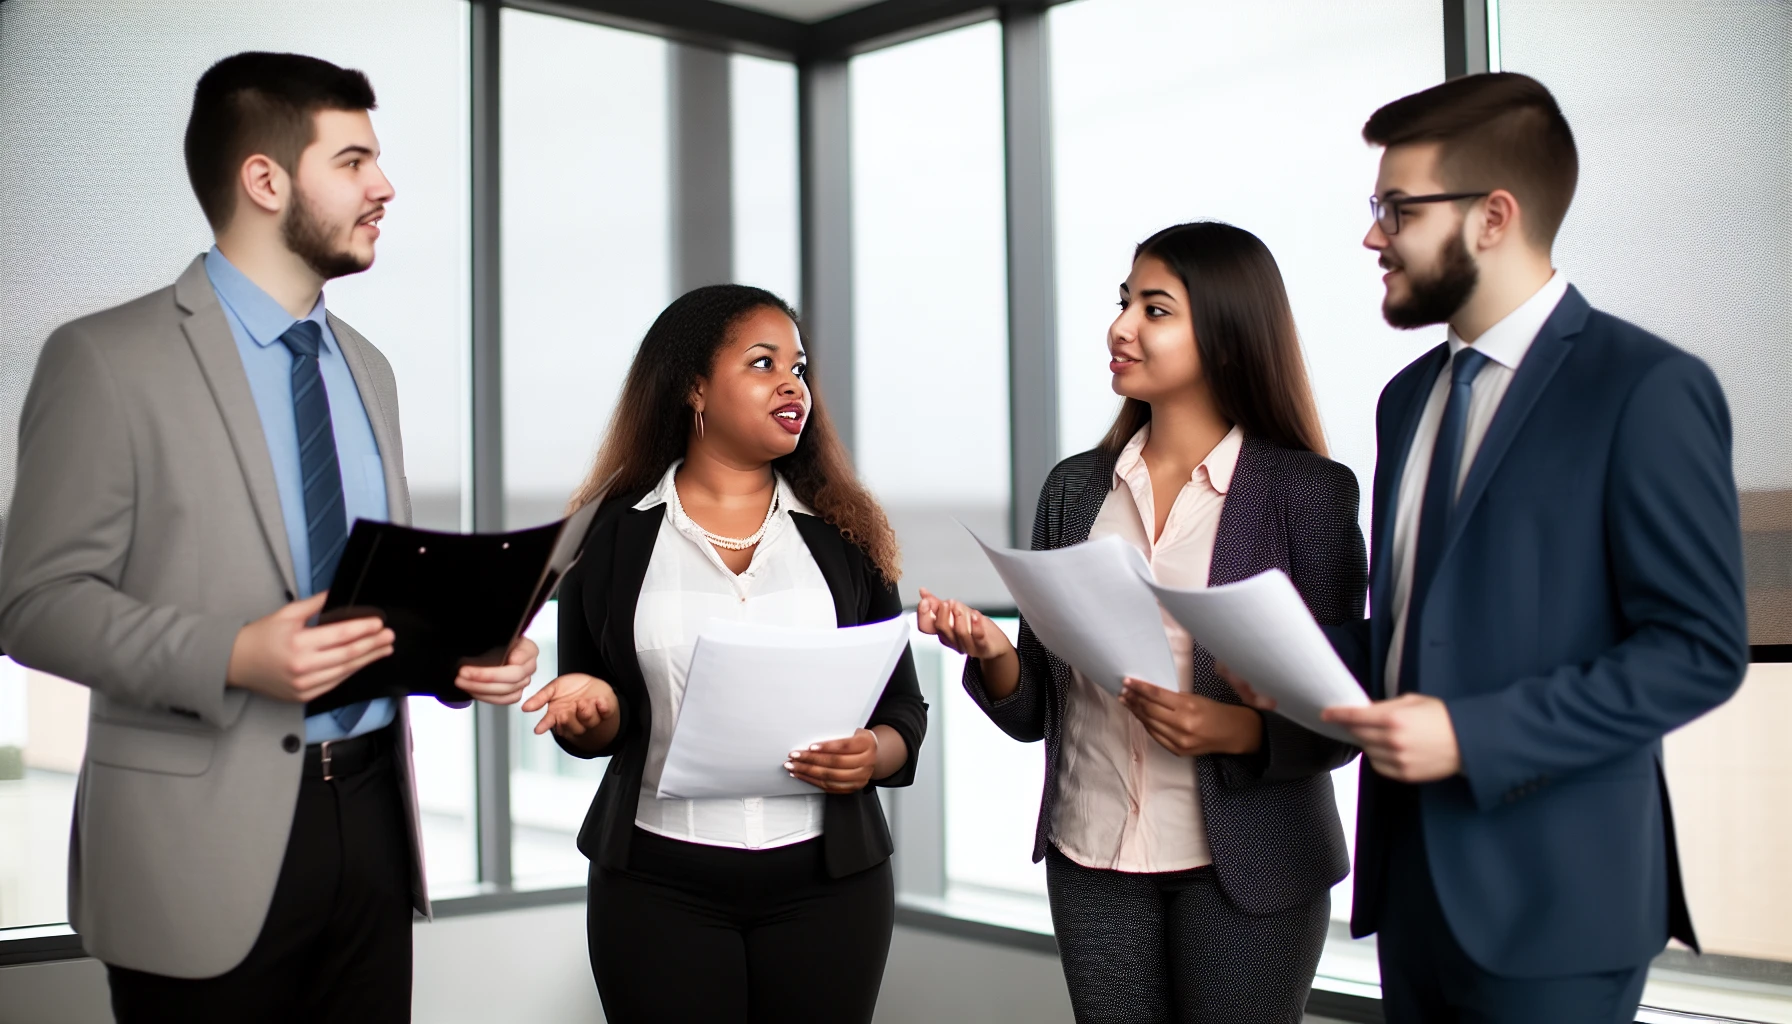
[326, 516]
[1439, 501]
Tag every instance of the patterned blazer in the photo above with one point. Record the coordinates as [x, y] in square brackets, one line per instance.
[1271, 820]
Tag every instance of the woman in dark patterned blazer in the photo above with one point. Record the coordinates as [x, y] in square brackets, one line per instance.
[1191, 843]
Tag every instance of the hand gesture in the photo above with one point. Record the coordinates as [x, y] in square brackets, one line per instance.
[837, 766]
[961, 628]
[580, 708]
[1188, 724]
[501, 684]
[280, 657]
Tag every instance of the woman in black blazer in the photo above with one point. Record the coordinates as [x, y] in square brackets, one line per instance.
[1191, 843]
[726, 493]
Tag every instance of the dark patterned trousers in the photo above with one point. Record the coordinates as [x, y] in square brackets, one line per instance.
[1169, 948]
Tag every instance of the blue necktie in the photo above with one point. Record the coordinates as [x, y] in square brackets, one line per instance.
[1439, 500]
[326, 517]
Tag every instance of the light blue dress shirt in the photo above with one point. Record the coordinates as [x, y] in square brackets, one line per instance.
[257, 322]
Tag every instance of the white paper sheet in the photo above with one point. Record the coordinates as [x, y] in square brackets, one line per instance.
[755, 693]
[1090, 605]
[1263, 632]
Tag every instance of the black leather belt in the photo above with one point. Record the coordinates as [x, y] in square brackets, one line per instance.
[334, 759]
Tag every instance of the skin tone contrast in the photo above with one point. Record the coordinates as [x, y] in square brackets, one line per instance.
[754, 404]
[289, 233]
[1154, 359]
[1411, 738]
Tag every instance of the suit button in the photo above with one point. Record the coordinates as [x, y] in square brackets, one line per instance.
[290, 744]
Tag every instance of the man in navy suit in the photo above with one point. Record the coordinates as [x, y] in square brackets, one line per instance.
[1556, 583]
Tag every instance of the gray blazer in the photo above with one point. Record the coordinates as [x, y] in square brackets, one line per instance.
[145, 531]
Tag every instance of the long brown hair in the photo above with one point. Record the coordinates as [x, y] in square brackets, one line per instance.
[651, 426]
[1244, 332]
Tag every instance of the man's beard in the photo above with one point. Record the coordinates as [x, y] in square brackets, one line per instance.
[309, 239]
[1436, 299]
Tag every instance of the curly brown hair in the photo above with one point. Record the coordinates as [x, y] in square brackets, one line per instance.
[679, 348]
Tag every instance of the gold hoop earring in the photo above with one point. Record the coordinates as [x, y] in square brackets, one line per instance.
[697, 414]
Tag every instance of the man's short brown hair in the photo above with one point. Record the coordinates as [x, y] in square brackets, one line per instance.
[1498, 130]
[260, 103]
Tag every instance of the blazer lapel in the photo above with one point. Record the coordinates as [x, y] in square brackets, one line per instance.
[1533, 376]
[1241, 518]
[1391, 461]
[829, 551]
[215, 348]
[1407, 396]
[380, 413]
[635, 536]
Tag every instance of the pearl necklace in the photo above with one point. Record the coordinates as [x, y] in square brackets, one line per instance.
[730, 543]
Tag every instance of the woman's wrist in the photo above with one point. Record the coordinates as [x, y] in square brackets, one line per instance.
[1001, 674]
[1242, 732]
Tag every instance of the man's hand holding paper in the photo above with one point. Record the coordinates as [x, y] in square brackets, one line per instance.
[1262, 631]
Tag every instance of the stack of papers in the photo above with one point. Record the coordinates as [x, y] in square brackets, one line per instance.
[756, 693]
[1089, 605]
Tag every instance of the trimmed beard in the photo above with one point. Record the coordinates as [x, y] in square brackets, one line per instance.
[1436, 299]
[306, 234]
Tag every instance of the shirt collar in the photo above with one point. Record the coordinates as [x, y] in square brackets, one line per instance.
[1507, 341]
[662, 493]
[1219, 464]
[264, 319]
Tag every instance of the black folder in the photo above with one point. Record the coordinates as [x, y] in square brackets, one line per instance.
[450, 599]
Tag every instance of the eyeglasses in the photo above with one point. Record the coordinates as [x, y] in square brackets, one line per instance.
[1387, 212]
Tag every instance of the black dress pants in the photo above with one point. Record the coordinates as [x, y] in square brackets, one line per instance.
[1169, 947]
[725, 936]
[1427, 977]
[336, 945]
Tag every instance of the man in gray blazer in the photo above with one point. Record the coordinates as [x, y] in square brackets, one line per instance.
[188, 466]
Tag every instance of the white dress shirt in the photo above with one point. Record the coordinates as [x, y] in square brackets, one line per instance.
[1504, 344]
[1125, 803]
[686, 586]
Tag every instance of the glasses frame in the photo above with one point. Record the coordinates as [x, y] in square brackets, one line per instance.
[1377, 206]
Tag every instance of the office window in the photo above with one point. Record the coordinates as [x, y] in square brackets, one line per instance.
[95, 209]
[930, 344]
[1681, 223]
[767, 239]
[586, 269]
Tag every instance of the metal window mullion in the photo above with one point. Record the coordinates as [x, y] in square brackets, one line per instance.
[1466, 44]
[824, 134]
[491, 723]
[1032, 284]
[702, 169]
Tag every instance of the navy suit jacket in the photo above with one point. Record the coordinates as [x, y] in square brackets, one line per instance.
[1589, 599]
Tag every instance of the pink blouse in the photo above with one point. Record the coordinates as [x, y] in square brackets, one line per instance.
[1124, 802]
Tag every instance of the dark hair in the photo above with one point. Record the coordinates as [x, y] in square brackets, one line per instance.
[651, 426]
[1244, 332]
[260, 103]
[1499, 130]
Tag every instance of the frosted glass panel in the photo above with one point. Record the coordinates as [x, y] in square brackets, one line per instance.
[930, 322]
[767, 250]
[1246, 113]
[1683, 219]
[587, 262]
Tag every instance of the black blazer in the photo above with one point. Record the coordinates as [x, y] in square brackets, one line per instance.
[1271, 819]
[597, 637]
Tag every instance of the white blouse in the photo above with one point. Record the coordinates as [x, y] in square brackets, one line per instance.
[686, 586]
